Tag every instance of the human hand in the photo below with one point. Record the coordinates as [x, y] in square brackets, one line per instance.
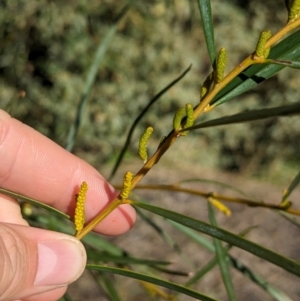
[38, 264]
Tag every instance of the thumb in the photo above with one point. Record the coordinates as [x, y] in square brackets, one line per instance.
[33, 261]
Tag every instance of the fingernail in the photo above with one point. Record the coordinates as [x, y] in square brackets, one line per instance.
[59, 262]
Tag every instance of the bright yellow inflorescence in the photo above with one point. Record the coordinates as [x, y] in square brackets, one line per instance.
[294, 12]
[221, 64]
[79, 218]
[126, 185]
[216, 203]
[189, 118]
[187, 112]
[143, 143]
[178, 118]
[260, 47]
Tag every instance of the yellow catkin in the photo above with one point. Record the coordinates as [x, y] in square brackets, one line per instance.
[178, 118]
[221, 64]
[203, 91]
[126, 185]
[143, 143]
[220, 206]
[260, 47]
[187, 112]
[189, 117]
[294, 11]
[79, 218]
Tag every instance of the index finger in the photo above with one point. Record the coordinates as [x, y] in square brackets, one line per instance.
[33, 165]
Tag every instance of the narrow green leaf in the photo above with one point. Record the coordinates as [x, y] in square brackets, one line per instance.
[167, 238]
[208, 267]
[287, 49]
[171, 272]
[292, 186]
[208, 28]
[111, 291]
[98, 58]
[287, 110]
[194, 235]
[32, 201]
[286, 63]
[221, 255]
[202, 241]
[105, 284]
[101, 244]
[154, 280]
[295, 220]
[288, 264]
[140, 116]
[126, 260]
[273, 291]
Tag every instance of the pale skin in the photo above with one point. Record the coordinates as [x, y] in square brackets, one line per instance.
[35, 166]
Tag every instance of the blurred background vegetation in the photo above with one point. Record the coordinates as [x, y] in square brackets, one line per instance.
[48, 46]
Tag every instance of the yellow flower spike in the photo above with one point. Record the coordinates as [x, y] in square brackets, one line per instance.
[79, 218]
[189, 115]
[221, 64]
[220, 206]
[203, 91]
[178, 118]
[187, 111]
[294, 11]
[143, 143]
[260, 51]
[126, 185]
[189, 118]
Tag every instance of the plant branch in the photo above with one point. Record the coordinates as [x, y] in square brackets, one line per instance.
[198, 110]
[225, 198]
[99, 218]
